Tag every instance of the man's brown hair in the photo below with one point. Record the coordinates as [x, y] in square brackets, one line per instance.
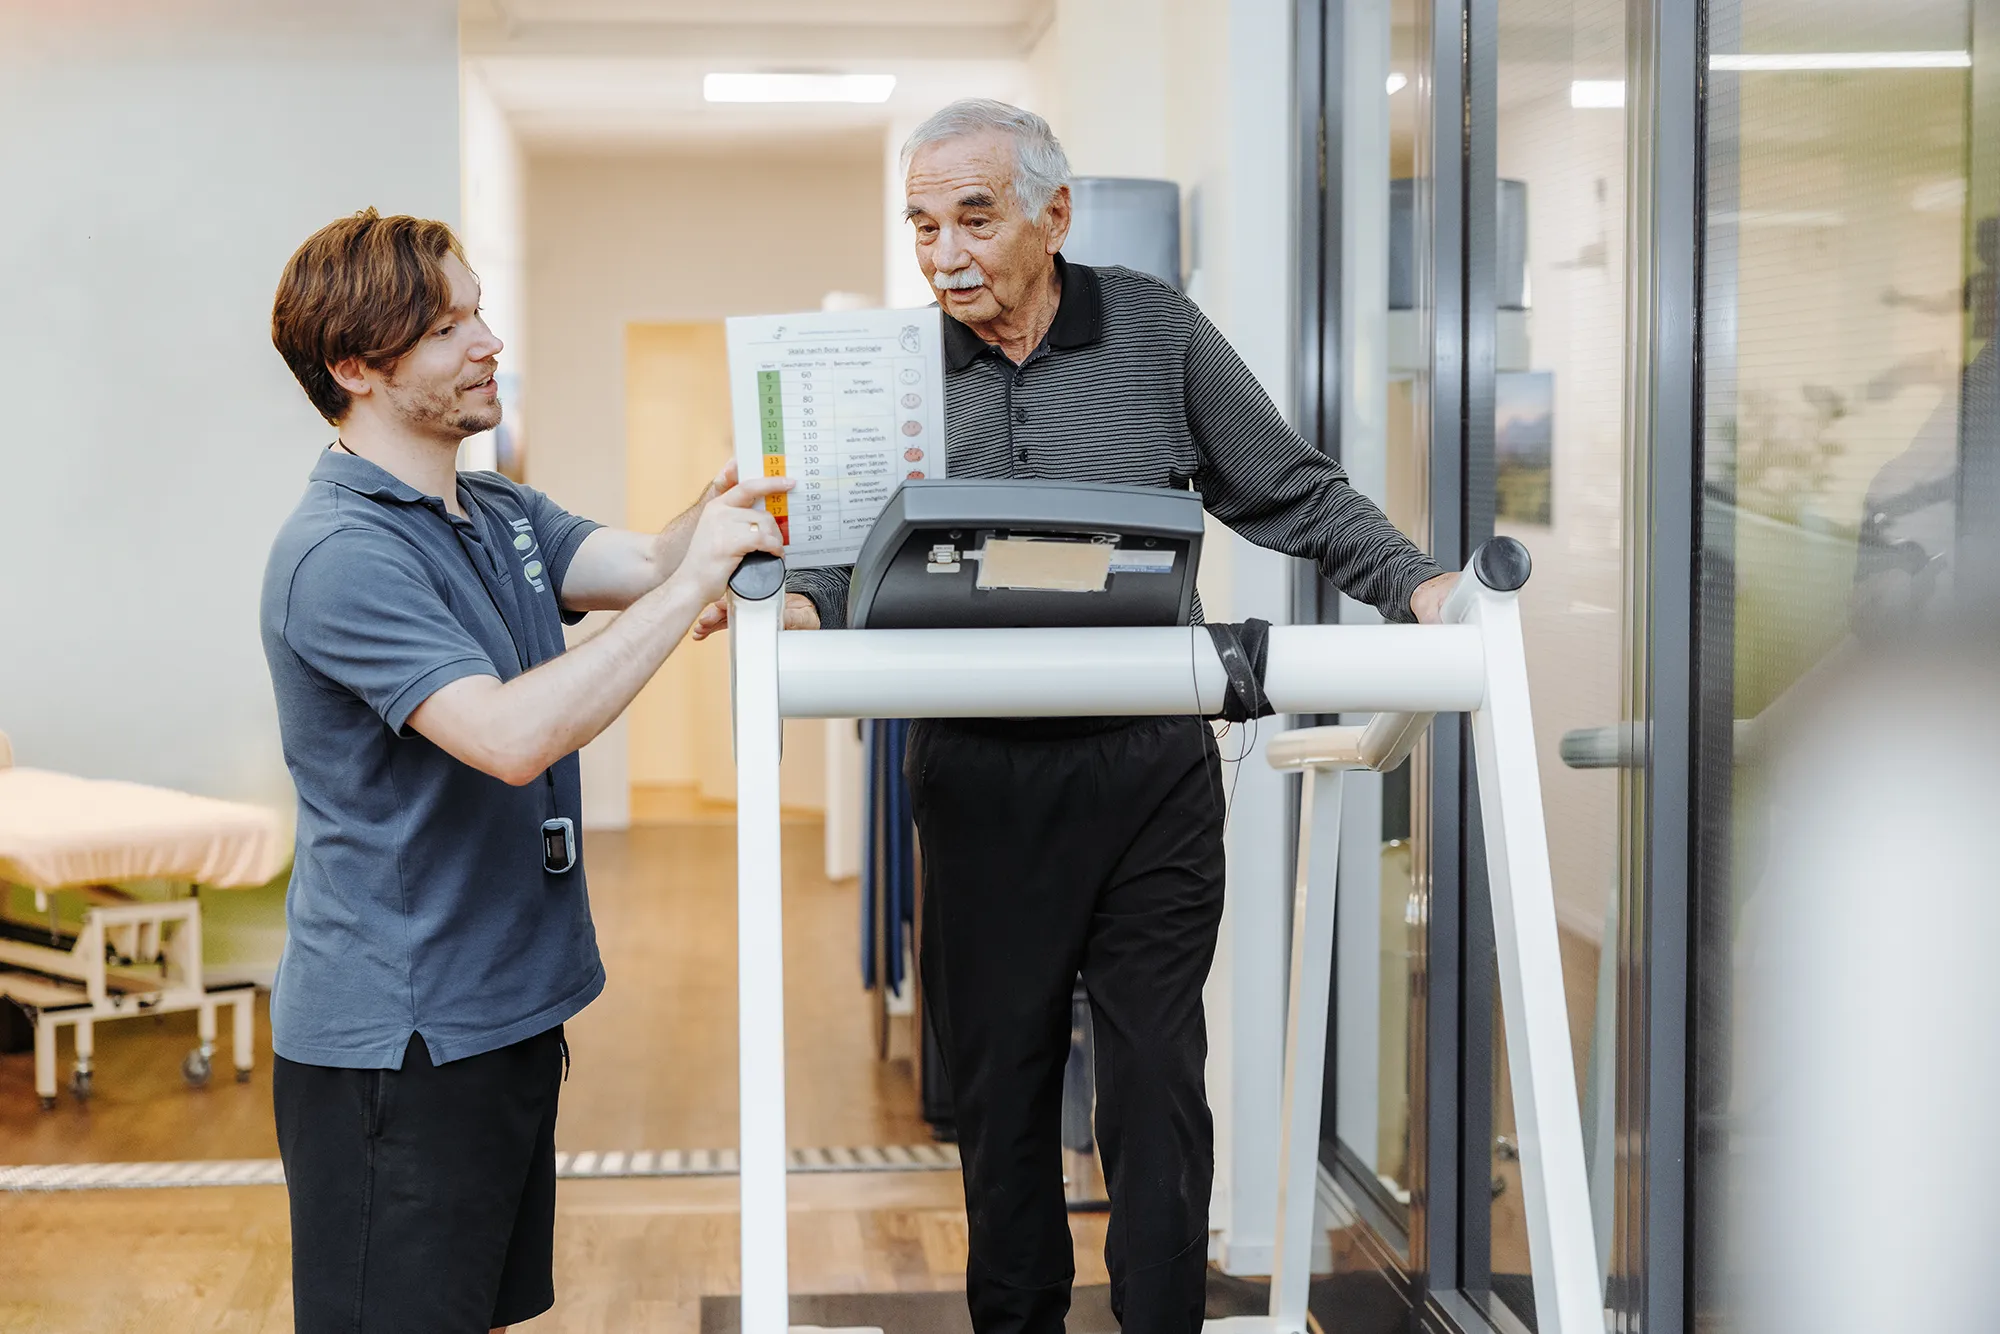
[366, 286]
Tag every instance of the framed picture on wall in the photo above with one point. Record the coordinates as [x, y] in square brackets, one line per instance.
[1524, 438]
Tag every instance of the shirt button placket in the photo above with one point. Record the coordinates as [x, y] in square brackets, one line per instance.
[1018, 416]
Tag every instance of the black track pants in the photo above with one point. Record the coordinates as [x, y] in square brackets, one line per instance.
[1052, 848]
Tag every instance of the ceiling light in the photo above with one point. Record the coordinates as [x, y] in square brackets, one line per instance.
[797, 87]
[1597, 93]
[1397, 83]
[1822, 60]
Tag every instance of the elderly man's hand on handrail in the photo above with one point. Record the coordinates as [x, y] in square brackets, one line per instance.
[1427, 602]
[800, 614]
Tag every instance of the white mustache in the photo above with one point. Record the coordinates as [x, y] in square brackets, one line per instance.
[967, 277]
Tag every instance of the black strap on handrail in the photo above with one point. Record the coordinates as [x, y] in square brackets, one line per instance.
[1245, 651]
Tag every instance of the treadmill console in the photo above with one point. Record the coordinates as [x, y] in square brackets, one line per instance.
[956, 553]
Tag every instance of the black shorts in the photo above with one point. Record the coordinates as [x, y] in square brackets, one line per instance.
[423, 1199]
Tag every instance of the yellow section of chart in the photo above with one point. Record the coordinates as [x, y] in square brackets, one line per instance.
[774, 466]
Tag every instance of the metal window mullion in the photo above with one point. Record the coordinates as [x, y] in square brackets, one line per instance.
[1664, 140]
[1316, 30]
[1315, 338]
[1436, 1201]
[1320, 26]
[1480, 986]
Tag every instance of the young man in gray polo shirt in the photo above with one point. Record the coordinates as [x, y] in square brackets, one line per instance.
[438, 932]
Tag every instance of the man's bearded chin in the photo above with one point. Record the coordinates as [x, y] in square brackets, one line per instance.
[469, 424]
[428, 411]
[480, 418]
[967, 277]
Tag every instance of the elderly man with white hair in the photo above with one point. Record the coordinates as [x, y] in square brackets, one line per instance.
[1059, 846]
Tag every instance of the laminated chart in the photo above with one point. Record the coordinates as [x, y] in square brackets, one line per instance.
[850, 404]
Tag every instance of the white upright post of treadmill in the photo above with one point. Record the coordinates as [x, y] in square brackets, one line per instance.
[1562, 1246]
[1322, 756]
[760, 964]
[1313, 901]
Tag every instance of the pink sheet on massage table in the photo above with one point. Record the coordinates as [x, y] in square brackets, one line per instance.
[59, 831]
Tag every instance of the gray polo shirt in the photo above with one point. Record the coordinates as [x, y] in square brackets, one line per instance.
[418, 902]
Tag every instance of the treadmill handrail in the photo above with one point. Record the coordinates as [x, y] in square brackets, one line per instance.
[1475, 664]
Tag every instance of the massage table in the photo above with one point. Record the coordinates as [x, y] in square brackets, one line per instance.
[66, 836]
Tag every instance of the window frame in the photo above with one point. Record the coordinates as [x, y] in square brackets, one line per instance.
[1445, 1279]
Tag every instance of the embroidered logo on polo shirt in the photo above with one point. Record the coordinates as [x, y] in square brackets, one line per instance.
[531, 554]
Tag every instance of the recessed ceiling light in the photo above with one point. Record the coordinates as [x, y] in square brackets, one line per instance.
[1397, 83]
[1821, 60]
[1603, 94]
[797, 87]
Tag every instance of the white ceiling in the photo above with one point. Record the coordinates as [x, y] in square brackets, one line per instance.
[597, 102]
[614, 74]
[878, 13]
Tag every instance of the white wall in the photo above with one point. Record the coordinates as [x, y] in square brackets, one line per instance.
[160, 164]
[618, 239]
[495, 236]
[1250, 282]
[1105, 75]
[902, 281]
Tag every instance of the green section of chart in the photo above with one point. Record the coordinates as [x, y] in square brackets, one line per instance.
[771, 410]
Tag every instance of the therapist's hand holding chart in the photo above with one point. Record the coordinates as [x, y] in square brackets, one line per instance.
[846, 403]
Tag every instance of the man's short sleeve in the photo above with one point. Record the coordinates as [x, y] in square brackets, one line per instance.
[364, 612]
[559, 533]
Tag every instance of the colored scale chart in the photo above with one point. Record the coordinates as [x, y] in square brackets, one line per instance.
[846, 430]
[846, 404]
[771, 416]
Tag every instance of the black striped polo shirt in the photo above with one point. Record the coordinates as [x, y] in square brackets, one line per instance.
[1133, 384]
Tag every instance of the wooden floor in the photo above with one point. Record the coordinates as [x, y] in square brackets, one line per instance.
[630, 1255]
[654, 1067]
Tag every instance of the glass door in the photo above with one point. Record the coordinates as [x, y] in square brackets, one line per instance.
[1560, 466]
[1477, 227]
[1849, 311]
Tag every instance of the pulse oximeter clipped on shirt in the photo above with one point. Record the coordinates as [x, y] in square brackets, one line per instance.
[558, 845]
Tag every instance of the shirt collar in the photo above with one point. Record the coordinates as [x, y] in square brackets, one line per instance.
[1079, 320]
[363, 478]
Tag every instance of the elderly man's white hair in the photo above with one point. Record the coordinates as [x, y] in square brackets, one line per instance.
[1040, 166]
